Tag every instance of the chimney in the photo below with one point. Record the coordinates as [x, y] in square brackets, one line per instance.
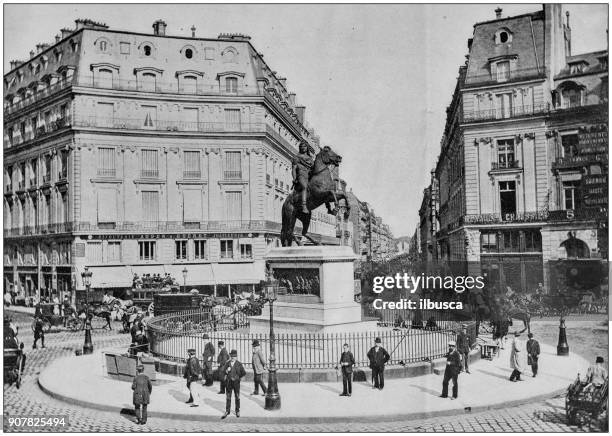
[80, 23]
[65, 32]
[193, 29]
[567, 17]
[32, 54]
[498, 12]
[159, 28]
[18, 63]
[12, 64]
[292, 99]
[300, 111]
[57, 38]
[38, 48]
[283, 81]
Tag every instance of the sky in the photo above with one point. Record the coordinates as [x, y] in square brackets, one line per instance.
[375, 79]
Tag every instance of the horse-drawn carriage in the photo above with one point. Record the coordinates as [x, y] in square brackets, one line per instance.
[14, 358]
[586, 404]
[50, 319]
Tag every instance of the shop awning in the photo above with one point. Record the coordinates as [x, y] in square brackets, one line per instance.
[108, 277]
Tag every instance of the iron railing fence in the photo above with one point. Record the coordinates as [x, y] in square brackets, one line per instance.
[171, 335]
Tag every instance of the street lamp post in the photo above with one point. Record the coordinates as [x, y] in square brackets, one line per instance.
[185, 279]
[273, 401]
[562, 345]
[88, 345]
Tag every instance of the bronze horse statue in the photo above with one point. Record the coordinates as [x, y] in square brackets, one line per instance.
[321, 189]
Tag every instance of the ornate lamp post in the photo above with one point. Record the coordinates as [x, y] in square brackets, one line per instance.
[273, 401]
[88, 345]
[185, 279]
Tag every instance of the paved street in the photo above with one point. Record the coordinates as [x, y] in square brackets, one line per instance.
[546, 416]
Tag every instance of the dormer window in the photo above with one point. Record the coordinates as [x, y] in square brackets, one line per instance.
[503, 71]
[503, 36]
[104, 75]
[148, 78]
[231, 85]
[571, 94]
[188, 81]
[230, 82]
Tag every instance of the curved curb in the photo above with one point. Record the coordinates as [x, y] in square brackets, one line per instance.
[309, 420]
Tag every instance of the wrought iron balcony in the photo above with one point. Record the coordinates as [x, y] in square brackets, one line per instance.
[496, 166]
[149, 174]
[577, 161]
[192, 175]
[107, 172]
[232, 175]
[499, 114]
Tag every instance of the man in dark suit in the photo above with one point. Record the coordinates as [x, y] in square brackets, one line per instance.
[222, 359]
[192, 374]
[141, 385]
[207, 357]
[463, 346]
[233, 372]
[378, 358]
[533, 353]
[346, 362]
[453, 368]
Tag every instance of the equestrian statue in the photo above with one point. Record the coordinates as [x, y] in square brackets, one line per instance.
[313, 185]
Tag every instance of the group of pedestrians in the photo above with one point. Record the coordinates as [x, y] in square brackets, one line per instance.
[517, 356]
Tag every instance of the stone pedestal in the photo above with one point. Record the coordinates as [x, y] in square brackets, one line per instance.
[320, 291]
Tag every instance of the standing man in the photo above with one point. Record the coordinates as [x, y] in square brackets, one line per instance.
[378, 358]
[463, 346]
[222, 359]
[207, 357]
[233, 371]
[533, 352]
[38, 332]
[259, 366]
[346, 362]
[142, 393]
[516, 358]
[191, 374]
[302, 164]
[452, 370]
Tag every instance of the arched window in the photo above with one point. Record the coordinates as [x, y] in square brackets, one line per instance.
[571, 94]
[189, 84]
[103, 46]
[103, 78]
[576, 248]
[146, 50]
[148, 82]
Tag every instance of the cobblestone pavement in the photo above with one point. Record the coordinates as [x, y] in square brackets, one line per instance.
[545, 416]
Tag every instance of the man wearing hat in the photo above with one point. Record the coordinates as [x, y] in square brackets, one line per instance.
[533, 352]
[233, 371]
[378, 358]
[207, 358]
[222, 359]
[452, 370]
[259, 366]
[516, 358]
[346, 362]
[141, 385]
[192, 374]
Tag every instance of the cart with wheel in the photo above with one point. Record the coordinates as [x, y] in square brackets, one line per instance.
[586, 404]
[14, 363]
[51, 319]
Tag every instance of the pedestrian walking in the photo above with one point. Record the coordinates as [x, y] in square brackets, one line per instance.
[533, 352]
[192, 374]
[346, 363]
[452, 370]
[13, 327]
[463, 346]
[141, 385]
[233, 371]
[516, 358]
[259, 366]
[38, 332]
[207, 358]
[378, 358]
[222, 359]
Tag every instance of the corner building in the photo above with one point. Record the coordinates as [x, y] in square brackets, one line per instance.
[523, 167]
[146, 153]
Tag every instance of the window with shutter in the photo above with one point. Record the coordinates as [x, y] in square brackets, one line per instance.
[191, 167]
[148, 82]
[107, 206]
[189, 84]
[148, 166]
[113, 252]
[233, 206]
[103, 78]
[192, 205]
[106, 162]
[233, 166]
[94, 252]
[232, 119]
[150, 206]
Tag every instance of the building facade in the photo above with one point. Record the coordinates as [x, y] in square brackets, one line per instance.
[523, 166]
[134, 153]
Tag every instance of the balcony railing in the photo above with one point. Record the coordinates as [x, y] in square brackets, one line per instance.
[43, 93]
[178, 226]
[168, 125]
[473, 80]
[537, 216]
[192, 174]
[149, 174]
[107, 172]
[499, 114]
[232, 175]
[495, 166]
[578, 161]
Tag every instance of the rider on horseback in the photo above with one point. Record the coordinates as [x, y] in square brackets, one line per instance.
[302, 164]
